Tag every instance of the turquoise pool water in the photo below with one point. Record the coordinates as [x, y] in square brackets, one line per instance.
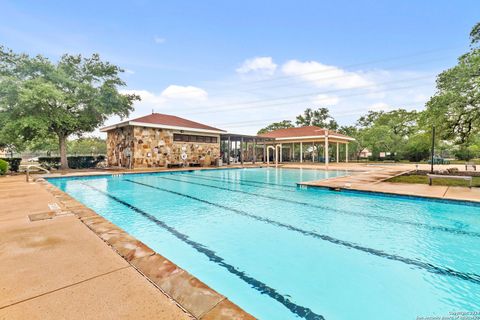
[283, 252]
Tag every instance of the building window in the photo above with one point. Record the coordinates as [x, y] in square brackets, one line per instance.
[191, 138]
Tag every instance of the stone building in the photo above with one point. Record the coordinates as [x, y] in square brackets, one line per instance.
[161, 140]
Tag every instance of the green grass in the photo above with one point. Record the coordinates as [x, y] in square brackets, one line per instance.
[416, 178]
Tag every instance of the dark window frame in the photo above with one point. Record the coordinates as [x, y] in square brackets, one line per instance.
[180, 137]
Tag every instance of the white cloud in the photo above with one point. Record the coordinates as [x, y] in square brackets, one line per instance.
[262, 65]
[172, 98]
[325, 76]
[159, 40]
[184, 93]
[147, 97]
[326, 100]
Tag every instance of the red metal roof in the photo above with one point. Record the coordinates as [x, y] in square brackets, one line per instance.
[174, 121]
[309, 131]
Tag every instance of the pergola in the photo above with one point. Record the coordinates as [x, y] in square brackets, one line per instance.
[243, 148]
[307, 144]
[303, 144]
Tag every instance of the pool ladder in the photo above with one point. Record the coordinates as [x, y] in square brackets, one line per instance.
[33, 166]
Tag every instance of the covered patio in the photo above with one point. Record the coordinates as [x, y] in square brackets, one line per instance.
[307, 144]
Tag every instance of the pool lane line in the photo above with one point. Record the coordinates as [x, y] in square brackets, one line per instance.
[263, 288]
[196, 176]
[249, 181]
[351, 213]
[471, 277]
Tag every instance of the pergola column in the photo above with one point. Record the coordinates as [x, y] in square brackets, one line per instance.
[338, 153]
[313, 151]
[229, 150]
[254, 151]
[281, 153]
[241, 150]
[346, 152]
[265, 159]
[326, 148]
[301, 152]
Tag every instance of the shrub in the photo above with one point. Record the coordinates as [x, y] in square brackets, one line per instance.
[13, 163]
[464, 153]
[74, 162]
[3, 167]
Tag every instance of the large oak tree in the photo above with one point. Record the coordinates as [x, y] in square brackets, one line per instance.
[455, 108]
[69, 97]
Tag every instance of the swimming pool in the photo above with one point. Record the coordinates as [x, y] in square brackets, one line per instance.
[283, 252]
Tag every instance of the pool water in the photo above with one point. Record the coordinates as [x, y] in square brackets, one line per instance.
[284, 252]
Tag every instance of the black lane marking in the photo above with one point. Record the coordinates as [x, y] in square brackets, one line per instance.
[263, 288]
[249, 181]
[471, 277]
[279, 188]
[351, 213]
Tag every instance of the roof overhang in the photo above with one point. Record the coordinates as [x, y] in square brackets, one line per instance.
[333, 136]
[159, 126]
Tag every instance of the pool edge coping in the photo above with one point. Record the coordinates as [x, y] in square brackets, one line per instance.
[307, 185]
[193, 296]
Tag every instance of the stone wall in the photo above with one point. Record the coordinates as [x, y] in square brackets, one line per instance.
[153, 147]
[120, 145]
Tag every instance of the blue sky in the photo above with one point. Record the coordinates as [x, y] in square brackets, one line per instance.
[241, 65]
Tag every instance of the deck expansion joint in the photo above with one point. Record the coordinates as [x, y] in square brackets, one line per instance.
[64, 287]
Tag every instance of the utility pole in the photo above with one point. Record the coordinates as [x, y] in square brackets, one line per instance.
[433, 148]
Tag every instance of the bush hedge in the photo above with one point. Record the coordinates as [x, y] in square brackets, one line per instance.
[13, 163]
[74, 162]
[3, 167]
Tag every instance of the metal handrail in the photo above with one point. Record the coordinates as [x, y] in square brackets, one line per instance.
[33, 166]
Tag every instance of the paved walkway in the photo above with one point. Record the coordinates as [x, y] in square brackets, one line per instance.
[59, 269]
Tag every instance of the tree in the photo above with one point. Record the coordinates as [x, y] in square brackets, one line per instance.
[72, 96]
[417, 147]
[382, 131]
[276, 125]
[85, 146]
[320, 118]
[455, 107]
[354, 147]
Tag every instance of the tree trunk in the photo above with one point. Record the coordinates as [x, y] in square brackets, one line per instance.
[62, 139]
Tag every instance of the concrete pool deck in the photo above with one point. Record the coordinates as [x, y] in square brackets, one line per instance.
[373, 179]
[54, 267]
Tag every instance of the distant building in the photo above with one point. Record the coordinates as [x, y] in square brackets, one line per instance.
[365, 153]
[157, 140]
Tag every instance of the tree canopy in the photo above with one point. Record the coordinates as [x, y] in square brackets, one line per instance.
[455, 107]
[72, 96]
[276, 125]
[320, 118]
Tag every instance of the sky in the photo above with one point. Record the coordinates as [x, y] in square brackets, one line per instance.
[241, 65]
